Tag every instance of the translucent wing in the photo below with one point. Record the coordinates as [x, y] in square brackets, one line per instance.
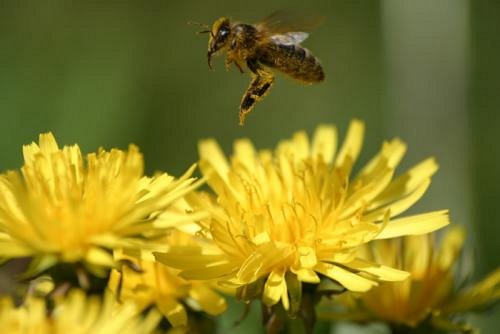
[284, 21]
[289, 38]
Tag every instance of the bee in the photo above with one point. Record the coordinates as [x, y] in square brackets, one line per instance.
[274, 44]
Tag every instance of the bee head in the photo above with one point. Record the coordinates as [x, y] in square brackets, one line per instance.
[218, 39]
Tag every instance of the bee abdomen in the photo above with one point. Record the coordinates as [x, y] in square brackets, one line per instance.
[294, 61]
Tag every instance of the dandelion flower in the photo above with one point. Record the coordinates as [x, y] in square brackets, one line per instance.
[298, 215]
[76, 314]
[429, 297]
[64, 207]
[147, 282]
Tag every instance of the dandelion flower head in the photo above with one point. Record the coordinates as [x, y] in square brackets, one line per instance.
[77, 314]
[433, 293]
[147, 283]
[65, 207]
[297, 215]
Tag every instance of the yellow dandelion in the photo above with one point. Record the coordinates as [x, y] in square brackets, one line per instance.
[64, 207]
[147, 283]
[297, 216]
[430, 296]
[75, 314]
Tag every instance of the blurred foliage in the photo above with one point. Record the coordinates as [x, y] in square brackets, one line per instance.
[108, 73]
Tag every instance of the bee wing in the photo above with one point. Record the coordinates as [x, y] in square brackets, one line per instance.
[284, 21]
[289, 38]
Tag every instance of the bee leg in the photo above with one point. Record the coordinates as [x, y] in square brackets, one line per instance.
[239, 67]
[259, 86]
[228, 62]
[254, 66]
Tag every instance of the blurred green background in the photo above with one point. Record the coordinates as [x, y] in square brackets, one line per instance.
[110, 73]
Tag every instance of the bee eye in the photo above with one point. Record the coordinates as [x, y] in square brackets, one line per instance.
[223, 32]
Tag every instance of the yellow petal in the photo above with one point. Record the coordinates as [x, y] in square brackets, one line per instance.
[349, 280]
[382, 272]
[325, 143]
[391, 154]
[300, 146]
[418, 255]
[48, 144]
[114, 281]
[407, 182]
[209, 301]
[306, 275]
[216, 271]
[173, 311]
[481, 294]
[9, 248]
[258, 263]
[415, 225]
[245, 153]
[181, 220]
[307, 257]
[351, 145]
[400, 205]
[451, 245]
[189, 260]
[364, 195]
[99, 257]
[275, 289]
[211, 152]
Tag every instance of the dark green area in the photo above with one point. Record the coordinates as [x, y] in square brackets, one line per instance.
[484, 118]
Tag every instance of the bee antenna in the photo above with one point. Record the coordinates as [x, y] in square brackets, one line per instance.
[203, 25]
[194, 23]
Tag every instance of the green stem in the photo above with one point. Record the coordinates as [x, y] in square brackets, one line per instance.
[277, 320]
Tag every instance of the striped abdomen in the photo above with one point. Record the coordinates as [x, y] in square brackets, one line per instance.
[292, 60]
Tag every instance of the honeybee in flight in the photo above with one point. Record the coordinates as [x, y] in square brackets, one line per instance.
[272, 44]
